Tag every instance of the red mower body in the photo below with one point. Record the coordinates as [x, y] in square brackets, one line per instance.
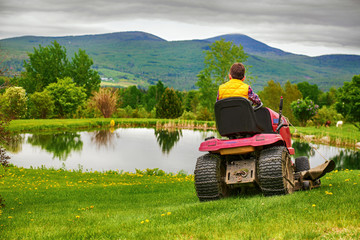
[258, 140]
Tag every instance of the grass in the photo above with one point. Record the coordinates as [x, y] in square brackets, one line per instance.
[348, 135]
[34, 125]
[58, 204]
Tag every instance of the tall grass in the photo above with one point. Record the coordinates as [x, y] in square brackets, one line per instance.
[58, 204]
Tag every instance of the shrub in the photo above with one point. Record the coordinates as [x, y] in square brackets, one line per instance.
[327, 114]
[304, 110]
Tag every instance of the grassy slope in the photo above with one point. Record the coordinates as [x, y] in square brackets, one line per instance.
[177, 63]
[50, 204]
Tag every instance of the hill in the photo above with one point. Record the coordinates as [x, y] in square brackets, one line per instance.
[128, 58]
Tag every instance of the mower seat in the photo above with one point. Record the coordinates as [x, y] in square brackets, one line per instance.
[235, 116]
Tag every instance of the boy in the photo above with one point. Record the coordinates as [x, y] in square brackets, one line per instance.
[236, 87]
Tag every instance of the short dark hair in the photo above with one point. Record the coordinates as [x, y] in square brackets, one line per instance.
[237, 71]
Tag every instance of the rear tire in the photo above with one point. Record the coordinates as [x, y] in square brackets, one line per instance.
[210, 173]
[275, 171]
[302, 164]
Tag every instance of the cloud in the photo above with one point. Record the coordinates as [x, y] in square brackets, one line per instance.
[324, 22]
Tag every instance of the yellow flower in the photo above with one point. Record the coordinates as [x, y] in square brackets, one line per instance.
[10, 217]
[330, 185]
[77, 217]
[346, 180]
[147, 220]
[142, 222]
[355, 183]
[314, 205]
[328, 193]
[162, 214]
[168, 213]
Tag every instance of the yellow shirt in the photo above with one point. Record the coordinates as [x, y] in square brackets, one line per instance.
[233, 88]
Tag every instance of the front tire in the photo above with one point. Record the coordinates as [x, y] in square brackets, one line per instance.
[210, 173]
[275, 171]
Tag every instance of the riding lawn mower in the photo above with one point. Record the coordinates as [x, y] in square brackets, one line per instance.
[254, 152]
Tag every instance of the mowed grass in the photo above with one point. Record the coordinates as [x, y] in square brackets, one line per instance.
[348, 134]
[58, 204]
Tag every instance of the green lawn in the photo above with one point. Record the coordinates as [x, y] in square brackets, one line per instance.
[58, 204]
[347, 135]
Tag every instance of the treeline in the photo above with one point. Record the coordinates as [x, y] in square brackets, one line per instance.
[51, 86]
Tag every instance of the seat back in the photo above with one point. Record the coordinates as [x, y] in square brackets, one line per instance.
[235, 116]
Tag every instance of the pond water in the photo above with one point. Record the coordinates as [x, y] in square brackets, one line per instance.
[128, 149]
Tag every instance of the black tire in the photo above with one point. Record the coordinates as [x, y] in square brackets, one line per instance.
[210, 173]
[275, 171]
[302, 164]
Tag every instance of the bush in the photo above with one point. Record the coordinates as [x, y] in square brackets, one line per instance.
[327, 114]
[188, 116]
[304, 110]
[203, 114]
[13, 102]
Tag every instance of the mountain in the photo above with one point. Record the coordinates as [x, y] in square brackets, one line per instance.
[250, 45]
[140, 58]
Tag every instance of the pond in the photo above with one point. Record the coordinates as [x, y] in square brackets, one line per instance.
[128, 149]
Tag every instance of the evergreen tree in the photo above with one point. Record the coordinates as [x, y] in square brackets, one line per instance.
[169, 105]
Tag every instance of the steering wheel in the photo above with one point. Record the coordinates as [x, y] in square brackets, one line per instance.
[257, 107]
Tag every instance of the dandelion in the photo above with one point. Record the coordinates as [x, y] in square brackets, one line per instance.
[163, 215]
[314, 205]
[142, 222]
[355, 183]
[346, 180]
[77, 217]
[330, 185]
[168, 213]
[147, 220]
[10, 217]
[328, 193]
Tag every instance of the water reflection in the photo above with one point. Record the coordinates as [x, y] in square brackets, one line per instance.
[140, 148]
[317, 154]
[104, 138]
[14, 143]
[59, 144]
[303, 149]
[167, 138]
[347, 160]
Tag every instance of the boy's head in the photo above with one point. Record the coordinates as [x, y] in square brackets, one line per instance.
[237, 71]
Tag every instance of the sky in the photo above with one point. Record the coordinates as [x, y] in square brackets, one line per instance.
[309, 27]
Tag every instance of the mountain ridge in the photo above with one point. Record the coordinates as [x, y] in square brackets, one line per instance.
[142, 58]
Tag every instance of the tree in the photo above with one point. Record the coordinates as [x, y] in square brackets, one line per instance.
[270, 95]
[218, 61]
[41, 104]
[348, 100]
[131, 97]
[291, 93]
[82, 74]
[67, 96]
[310, 91]
[304, 109]
[169, 105]
[13, 102]
[328, 98]
[105, 100]
[45, 66]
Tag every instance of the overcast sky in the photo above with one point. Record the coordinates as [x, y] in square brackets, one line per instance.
[310, 27]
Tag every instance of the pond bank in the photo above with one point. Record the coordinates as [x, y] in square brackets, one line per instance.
[346, 136]
[36, 125]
